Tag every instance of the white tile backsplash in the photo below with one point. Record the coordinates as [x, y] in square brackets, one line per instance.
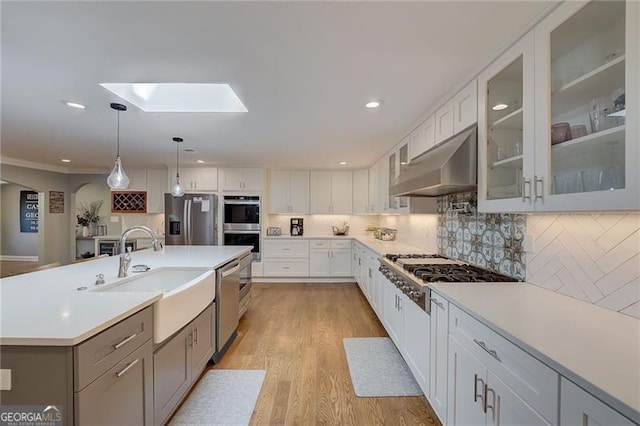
[320, 225]
[419, 230]
[153, 221]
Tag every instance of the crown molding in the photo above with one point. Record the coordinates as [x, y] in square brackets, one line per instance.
[33, 165]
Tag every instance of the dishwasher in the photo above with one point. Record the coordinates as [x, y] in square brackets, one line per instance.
[227, 304]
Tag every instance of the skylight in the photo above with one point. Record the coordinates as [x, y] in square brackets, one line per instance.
[178, 97]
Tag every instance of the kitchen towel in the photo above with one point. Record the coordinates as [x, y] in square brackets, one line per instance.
[377, 368]
[222, 397]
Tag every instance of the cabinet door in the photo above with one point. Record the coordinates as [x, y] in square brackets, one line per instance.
[416, 142]
[439, 357]
[374, 185]
[392, 313]
[416, 342]
[467, 377]
[299, 191]
[505, 407]
[383, 187]
[341, 262]
[320, 192]
[203, 343]
[444, 122]
[402, 203]
[231, 179]
[171, 374]
[137, 180]
[204, 179]
[587, 107]
[252, 179]
[465, 107]
[392, 170]
[361, 191]
[342, 192]
[156, 188]
[506, 153]
[428, 130]
[320, 262]
[379, 293]
[580, 408]
[279, 194]
[121, 396]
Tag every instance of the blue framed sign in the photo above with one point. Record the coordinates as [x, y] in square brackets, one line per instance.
[28, 211]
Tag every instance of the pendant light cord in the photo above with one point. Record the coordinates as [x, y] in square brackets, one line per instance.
[177, 159]
[118, 137]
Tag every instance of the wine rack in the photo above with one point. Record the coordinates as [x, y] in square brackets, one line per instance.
[128, 202]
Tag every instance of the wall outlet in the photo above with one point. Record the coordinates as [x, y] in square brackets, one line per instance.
[5, 379]
[115, 219]
[528, 244]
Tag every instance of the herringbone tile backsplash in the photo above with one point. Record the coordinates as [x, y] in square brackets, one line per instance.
[593, 257]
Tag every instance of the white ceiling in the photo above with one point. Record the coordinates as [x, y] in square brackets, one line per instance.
[304, 70]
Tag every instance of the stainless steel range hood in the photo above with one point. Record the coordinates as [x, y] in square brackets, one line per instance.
[447, 168]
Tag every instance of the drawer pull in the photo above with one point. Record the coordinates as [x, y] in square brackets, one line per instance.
[286, 249]
[285, 267]
[487, 350]
[439, 304]
[127, 368]
[125, 341]
[195, 336]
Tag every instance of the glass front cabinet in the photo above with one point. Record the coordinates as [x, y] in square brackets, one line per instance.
[561, 132]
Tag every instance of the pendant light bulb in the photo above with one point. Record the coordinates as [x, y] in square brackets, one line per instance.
[177, 190]
[118, 178]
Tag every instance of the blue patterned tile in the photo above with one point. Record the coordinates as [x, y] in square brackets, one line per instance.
[517, 270]
[497, 254]
[497, 239]
[505, 267]
[466, 248]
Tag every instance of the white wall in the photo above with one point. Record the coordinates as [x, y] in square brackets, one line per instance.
[98, 192]
[418, 230]
[12, 241]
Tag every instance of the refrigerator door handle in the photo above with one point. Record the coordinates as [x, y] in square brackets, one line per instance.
[190, 232]
[185, 221]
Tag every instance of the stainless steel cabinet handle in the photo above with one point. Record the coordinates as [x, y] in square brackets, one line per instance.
[285, 267]
[125, 341]
[477, 379]
[537, 180]
[396, 302]
[491, 406]
[127, 368]
[439, 304]
[195, 336]
[190, 343]
[231, 271]
[328, 254]
[525, 183]
[491, 352]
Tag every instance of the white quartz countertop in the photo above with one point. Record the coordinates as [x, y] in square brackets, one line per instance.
[378, 246]
[594, 347]
[44, 307]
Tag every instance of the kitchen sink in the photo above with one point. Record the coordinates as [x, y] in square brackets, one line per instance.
[185, 293]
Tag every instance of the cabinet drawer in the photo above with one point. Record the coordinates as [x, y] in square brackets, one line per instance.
[336, 244]
[319, 244]
[529, 378]
[103, 351]
[286, 248]
[286, 267]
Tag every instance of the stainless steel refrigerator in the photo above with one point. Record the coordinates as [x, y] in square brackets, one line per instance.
[191, 219]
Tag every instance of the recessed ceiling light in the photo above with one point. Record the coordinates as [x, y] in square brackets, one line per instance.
[343, 163]
[178, 97]
[200, 161]
[499, 107]
[373, 104]
[73, 104]
[65, 160]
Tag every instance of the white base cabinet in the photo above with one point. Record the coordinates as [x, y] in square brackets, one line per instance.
[393, 318]
[439, 355]
[329, 258]
[417, 336]
[580, 408]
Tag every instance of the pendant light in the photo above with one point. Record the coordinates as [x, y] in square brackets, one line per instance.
[117, 178]
[177, 190]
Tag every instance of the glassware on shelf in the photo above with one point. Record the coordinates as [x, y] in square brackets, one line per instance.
[619, 107]
[591, 180]
[560, 132]
[578, 131]
[612, 178]
[567, 183]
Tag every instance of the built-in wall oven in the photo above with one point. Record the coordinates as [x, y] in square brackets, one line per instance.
[242, 222]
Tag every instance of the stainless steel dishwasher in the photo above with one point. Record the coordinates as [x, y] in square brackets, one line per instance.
[227, 304]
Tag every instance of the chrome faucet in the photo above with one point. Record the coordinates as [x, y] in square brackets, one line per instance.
[125, 256]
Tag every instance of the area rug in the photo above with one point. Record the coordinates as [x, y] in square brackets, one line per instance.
[222, 397]
[377, 368]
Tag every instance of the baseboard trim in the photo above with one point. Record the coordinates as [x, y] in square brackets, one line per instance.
[19, 258]
[303, 280]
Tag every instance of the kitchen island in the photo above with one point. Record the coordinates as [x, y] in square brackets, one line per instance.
[67, 343]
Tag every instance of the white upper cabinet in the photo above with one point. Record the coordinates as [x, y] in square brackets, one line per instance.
[374, 184]
[241, 179]
[137, 180]
[423, 138]
[289, 191]
[361, 191]
[465, 107]
[587, 107]
[573, 147]
[196, 179]
[156, 188]
[444, 122]
[506, 130]
[331, 192]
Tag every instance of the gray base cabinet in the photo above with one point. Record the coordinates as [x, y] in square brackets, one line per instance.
[121, 396]
[177, 364]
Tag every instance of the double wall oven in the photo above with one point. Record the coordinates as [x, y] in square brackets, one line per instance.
[242, 222]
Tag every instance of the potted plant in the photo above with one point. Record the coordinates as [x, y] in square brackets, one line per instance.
[89, 216]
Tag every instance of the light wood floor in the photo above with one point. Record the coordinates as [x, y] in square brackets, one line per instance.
[15, 267]
[295, 332]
